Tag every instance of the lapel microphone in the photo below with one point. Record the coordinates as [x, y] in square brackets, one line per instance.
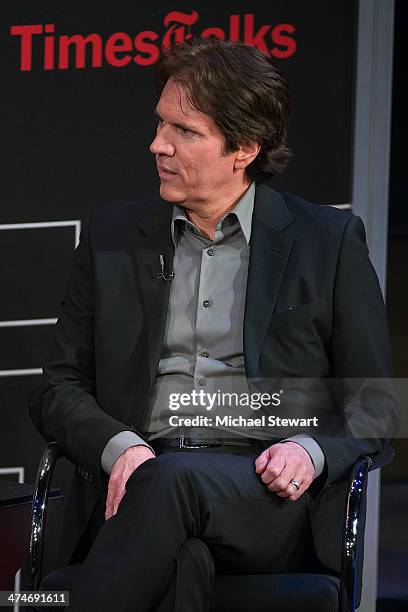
[162, 274]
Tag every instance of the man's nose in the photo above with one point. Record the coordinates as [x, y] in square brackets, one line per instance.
[161, 145]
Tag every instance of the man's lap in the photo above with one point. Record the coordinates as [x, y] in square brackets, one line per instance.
[246, 527]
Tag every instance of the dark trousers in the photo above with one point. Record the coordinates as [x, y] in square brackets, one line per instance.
[185, 516]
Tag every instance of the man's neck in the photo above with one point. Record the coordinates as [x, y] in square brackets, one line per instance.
[207, 217]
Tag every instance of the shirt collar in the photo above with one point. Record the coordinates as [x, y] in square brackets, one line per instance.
[243, 210]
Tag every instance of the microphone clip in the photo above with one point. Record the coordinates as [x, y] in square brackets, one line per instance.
[162, 274]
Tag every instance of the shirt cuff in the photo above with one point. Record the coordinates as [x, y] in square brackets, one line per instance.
[117, 445]
[313, 448]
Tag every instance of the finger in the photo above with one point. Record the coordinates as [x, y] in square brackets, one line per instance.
[281, 482]
[109, 511]
[292, 493]
[262, 461]
[273, 469]
[110, 497]
[109, 507]
[116, 503]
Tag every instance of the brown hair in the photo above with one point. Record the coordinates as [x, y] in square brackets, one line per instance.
[240, 89]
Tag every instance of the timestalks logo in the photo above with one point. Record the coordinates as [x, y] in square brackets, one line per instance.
[40, 46]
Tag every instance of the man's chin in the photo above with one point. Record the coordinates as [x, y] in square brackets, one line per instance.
[171, 195]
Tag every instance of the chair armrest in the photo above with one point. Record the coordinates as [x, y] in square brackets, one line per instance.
[354, 524]
[353, 530]
[381, 459]
[39, 514]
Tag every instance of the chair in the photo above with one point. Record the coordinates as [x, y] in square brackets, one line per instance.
[300, 592]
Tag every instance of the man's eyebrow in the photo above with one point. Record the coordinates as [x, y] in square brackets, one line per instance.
[178, 124]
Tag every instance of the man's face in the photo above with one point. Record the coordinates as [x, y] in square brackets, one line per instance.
[189, 150]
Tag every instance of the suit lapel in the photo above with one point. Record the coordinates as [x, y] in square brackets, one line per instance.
[154, 240]
[270, 249]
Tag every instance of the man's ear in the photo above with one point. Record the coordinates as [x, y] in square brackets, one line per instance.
[246, 155]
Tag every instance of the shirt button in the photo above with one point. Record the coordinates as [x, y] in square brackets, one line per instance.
[210, 251]
[205, 354]
[202, 382]
[207, 303]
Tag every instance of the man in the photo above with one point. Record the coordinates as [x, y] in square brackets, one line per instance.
[226, 279]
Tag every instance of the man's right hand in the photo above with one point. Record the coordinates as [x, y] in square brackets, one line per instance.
[123, 467]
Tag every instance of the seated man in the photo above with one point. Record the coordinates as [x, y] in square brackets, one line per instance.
[223, 279]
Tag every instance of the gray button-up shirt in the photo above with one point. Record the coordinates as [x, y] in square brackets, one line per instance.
[203, 341]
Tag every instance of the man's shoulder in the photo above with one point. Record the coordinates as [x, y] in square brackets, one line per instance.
[304, 210]
[304, 215]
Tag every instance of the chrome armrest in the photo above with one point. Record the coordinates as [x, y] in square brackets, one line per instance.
[353, 532]
[354, 525]
[39, 514]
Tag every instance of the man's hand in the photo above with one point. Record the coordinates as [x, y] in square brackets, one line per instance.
[283, 462]
[123, 467]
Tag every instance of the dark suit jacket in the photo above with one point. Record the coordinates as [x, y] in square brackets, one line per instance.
[313, 309]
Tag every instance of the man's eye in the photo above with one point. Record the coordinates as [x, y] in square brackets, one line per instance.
[183, 130]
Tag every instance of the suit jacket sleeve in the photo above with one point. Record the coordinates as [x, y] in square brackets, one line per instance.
[361, 357]
[65, 409]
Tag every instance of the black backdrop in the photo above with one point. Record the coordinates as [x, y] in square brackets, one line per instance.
[75, 137]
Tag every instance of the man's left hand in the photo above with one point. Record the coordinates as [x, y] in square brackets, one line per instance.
[283, 462]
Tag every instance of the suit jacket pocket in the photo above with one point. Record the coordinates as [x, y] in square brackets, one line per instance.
[308, 309]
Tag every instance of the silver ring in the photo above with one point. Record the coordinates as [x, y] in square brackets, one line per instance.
[295, 483]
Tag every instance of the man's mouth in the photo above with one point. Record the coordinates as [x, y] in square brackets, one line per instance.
[165, 172]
